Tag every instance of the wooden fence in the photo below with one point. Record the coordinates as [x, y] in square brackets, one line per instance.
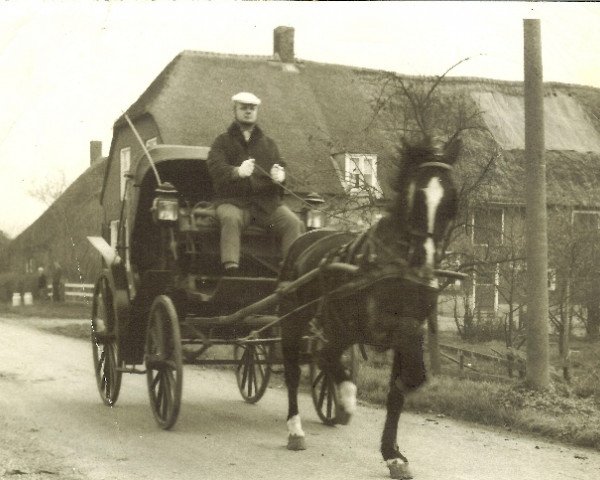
[473, 363]
[76, 292]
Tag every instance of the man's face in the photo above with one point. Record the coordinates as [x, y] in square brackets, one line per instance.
[246, 113]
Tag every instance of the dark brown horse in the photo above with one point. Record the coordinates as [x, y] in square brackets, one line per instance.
[385, 303]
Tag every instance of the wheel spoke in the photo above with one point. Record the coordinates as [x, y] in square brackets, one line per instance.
[251, 371]
[317, 380]
[154, 382]
[260, 356]
[322, 392]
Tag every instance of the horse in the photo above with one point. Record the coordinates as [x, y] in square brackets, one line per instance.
[384, 303]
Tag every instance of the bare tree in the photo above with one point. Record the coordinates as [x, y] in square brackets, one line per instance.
[49, 189]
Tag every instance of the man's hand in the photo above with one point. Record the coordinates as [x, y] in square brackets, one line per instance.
[277, 173]
[246, 168]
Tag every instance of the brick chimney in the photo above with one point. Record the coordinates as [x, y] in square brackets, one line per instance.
[283, 44]
[95, 151]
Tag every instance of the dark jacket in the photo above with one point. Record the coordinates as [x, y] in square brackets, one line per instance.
[228, 151]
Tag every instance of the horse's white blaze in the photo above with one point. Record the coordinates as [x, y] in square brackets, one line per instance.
[294, 426]
[347, 391]
[433, 196]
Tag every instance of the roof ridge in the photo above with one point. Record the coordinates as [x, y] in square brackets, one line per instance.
[203, 53]
[450, 78]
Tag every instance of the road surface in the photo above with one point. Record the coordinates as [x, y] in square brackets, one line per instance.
[54, 426]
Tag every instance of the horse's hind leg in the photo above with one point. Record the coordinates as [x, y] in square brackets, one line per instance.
[330, 361]
[290, 346]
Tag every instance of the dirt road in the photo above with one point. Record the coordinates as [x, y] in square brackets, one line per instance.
[54, 426]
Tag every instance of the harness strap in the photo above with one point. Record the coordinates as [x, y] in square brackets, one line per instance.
[436, 164]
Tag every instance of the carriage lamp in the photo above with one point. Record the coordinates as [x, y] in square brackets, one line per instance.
[314, 217]
[165, 207]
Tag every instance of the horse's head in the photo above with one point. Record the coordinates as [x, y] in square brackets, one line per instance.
[426, 199]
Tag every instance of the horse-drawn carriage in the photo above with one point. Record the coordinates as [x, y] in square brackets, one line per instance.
[162, 290]
[162, 300]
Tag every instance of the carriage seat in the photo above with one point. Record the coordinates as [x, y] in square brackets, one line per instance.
[200, 236]
[203, 218]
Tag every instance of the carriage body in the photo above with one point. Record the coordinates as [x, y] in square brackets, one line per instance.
[179, 256]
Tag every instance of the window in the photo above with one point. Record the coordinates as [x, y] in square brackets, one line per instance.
[151, 142]
[125, 164]
[361, 174]
[486, 287]
[488, 226]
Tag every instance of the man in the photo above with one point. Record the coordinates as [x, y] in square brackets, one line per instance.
[56, 282]
[247, 173]
[42, 285]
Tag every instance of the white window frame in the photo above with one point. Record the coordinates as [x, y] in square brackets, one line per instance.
[125, 165]
[356, 161]
[496, 285]
[152, 142]
[552, 279]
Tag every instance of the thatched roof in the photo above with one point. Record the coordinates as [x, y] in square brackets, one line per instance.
[315, 110]
[572, 179]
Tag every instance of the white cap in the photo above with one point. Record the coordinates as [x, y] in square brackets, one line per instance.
[246, 97]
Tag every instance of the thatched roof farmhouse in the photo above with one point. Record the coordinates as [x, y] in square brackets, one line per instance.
[318, 113]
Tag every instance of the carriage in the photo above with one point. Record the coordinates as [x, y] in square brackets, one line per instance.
[162, 301]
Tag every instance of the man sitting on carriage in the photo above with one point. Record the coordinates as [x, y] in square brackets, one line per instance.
[247, 173]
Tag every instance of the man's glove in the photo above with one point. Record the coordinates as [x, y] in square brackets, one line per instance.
[277, 173]
[246, 168]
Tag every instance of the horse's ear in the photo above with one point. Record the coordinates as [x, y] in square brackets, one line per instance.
[452, 150]
[408, 152]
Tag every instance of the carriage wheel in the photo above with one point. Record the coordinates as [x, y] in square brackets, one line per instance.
[323, 390]
[104, 343]
[253, 370]
[164, 363]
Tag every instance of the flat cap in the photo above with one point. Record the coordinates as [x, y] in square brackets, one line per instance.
[246, 97]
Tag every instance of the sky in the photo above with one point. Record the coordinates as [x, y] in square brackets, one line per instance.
[69, 69]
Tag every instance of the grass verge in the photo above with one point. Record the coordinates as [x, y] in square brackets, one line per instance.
[556, 413]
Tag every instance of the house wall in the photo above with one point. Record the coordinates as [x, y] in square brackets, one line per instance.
[123, 138]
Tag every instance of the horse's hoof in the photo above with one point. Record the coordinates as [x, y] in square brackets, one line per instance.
[296, 442]
[342, 417]
[399, 469]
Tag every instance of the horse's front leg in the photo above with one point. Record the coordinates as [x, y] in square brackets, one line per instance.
[408, 373]
[291, 335]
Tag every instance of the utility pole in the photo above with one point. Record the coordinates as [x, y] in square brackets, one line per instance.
[536, 217]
